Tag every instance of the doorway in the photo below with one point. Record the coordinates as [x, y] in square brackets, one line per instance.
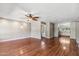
[43, 30]
[64, 30]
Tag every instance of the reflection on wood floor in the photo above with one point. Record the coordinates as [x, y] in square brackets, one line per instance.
[62, 46]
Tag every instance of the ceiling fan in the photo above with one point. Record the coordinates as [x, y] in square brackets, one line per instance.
[32, 17]
[29, 15]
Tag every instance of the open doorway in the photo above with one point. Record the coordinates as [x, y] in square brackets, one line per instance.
[64, 30]
[43, 30]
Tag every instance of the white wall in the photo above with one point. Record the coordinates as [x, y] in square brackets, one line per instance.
[36, 29]
[13, 30]
[48, 29]
[73, 30]
[77, 32]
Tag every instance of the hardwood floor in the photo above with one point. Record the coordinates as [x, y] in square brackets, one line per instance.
[62, 46]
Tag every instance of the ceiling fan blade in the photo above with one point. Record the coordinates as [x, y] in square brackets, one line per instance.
[35, 17]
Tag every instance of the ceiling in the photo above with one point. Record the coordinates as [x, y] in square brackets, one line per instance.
[52, 12]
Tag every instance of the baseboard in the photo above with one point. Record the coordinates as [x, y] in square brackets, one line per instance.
[73, 38]
[64, 35]
[3, 40]
[35, 38]
[38, 37]
[48, 37]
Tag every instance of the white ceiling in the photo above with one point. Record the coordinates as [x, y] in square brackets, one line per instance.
[52, 12]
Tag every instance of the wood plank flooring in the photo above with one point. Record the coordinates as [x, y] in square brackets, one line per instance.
[62, 46]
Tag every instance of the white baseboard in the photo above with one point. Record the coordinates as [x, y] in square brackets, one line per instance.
[38, 37]
[3, 40]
